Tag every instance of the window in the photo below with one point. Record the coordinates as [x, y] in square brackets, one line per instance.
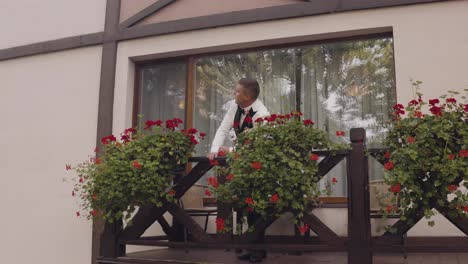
[339, 85]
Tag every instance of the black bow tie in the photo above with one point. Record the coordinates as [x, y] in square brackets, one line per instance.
[242, 111]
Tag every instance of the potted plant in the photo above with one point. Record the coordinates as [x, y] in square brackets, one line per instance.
[428, 156]
[273, 168]
[136, 170]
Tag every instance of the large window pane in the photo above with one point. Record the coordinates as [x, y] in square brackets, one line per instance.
[163, 91]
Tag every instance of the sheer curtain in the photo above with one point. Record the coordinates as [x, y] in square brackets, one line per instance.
[163, 91]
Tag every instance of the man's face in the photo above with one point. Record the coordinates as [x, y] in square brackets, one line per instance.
[240, 95]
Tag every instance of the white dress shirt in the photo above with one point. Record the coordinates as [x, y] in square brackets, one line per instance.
[227, 125]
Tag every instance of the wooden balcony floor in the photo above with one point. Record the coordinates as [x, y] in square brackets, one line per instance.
[228, 257]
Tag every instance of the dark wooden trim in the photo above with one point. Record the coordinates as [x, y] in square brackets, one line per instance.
[359, 227]
[137, 92]
[103, 233]
[322, 230]
[145, 13]
[204, 22]
[52, 46]
[422, 244]
[197, 232]
[260, 15]
[189, 94]
[278, 43]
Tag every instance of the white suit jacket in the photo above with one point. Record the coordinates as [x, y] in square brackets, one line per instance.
[228, 122]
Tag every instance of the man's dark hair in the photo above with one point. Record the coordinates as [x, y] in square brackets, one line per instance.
[251, 86]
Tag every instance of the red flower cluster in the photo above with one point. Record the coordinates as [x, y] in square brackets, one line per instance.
[389, 208]
[202, 134]
[136, 164]
[308, 122]
[340, 133]
[106, 140]
[229, 177]
[387, 155]
[389, 165]
[452, 188]
[399, 109]
[418, 114]
[451, 100]
[410, 140]
[303, 229]
[465, 107]
[249, 201]
[395, 188]
[274, 198]
[68, 167]
[451, 156]
[171, 192]
[413, 102]
[214, 162]
[463, 153]
[314, 157]
[221, 153]
[256, 165]
[93, 213]
[151, 123]
[334, 180]
[219, 224]
[213, 181]
[207, 192]
[259, 120]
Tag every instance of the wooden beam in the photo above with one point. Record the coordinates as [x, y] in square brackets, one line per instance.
[160, 4]
[195, 229]
[322, 230]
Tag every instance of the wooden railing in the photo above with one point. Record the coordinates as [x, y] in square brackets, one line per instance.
[359, 243]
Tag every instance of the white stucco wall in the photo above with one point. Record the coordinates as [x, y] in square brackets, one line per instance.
[430, 41]
[48, 113]
[30, 21]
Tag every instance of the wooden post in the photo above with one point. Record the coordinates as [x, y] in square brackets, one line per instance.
[109, 241]
[359, 228]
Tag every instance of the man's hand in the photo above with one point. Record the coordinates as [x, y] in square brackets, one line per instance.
[212, 155]
[223, 150]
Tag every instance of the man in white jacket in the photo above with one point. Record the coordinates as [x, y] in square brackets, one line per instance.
[247, 108]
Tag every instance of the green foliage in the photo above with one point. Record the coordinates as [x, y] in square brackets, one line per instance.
[429, 155]
[137, 171]
[273, 170]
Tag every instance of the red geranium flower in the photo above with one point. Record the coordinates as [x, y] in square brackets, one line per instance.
[389, 208]
[274, 198]
[465, 108]
[77, 214]
[451, 100]
[334, 180]
[259, 120]
[256, 165]
[395, 188]
[451, 156]
[214, 162]
[387, 155]
[463, 153]
[106, 140]
[207, 192]
[171, 192]
[136, 164]
[433, 101]
[389, 165]
[452, 188]
[97, 161]
[465, 208]
[435, 110]
[308, 122]
[68, 167]
[150, 123]
[230, 176]
[213, 181]
[314, 157]
[192, 131]
[219, 224]
[221, 153]
[94, 197]
[303, 229]
[340, 133]
[81, 180]
[93, 213]
[413, 102]
[193, 140]
[399, 109]
[410, 140]
[249, 201]
[202, 135]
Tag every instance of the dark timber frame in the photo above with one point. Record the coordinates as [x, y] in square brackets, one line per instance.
[115, 32]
